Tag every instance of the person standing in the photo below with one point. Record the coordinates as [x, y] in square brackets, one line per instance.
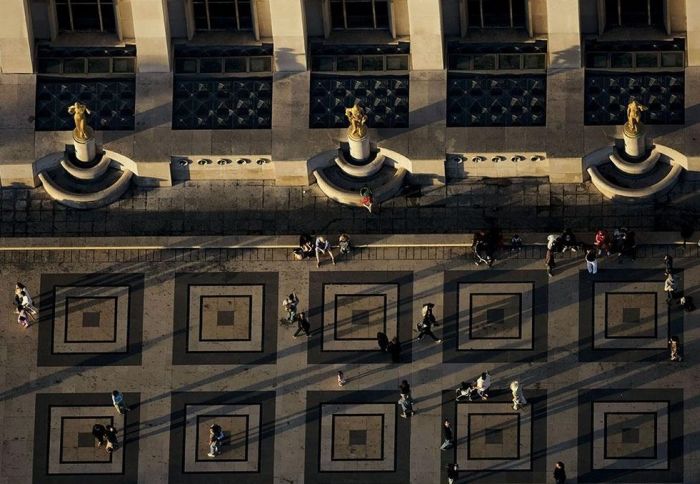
[516, 244]
[394, 349]
[452, 473]
[303, 325]
[549, 262]
[670, 288]
[425, 327]
[559, 473]
[23, 318]
[448, 437]
[216, 438]
[111, 436]
[675, 345]
[119, 403]
[290, 304]
[482, 385]
[518, 396]
[323, 247]
[341, 379]
[668, 263]
[602, 242]
[591, 261]
[382, 342]
[100, 433]
[24, 301]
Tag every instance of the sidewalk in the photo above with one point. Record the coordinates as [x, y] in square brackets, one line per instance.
[261, 208]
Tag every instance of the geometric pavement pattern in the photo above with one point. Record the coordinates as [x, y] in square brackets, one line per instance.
[623, 433]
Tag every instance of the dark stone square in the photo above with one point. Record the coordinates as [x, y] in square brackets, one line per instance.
[631, 315]
[494, 436]
[225, 318]
[86, 439]
[91, 319]
[358, 437]
[630, 435]
[360, 317]
[495, 316]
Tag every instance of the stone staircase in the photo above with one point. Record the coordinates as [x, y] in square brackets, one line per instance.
[622, 178]
[84, 185]
[343, 180]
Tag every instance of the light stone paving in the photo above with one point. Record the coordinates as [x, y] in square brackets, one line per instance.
[619, 413]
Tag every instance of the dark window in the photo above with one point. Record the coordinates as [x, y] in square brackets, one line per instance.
[647, 59]
[222, 15]
[496, 13]
[85, 15]
[397, 63]
[235, 64]
[509, 61]
[621, 60]
[260, 64]
[347, 63]
[372, 63]
[359, 14]
[634, 13]
[672, 59]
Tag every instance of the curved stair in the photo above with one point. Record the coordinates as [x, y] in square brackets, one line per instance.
[345, 189]
[363, 170]
[85, 185]
[617, 184]
[634, 167]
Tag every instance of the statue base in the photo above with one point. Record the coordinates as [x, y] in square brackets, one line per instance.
[359, 148]
[85, 149]
[635, 143]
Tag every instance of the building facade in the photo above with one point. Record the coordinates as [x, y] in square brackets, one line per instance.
[459, 87]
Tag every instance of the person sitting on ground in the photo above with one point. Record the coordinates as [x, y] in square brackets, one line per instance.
[344, 244]
[305, 249]
[568, 241]
[465, 390]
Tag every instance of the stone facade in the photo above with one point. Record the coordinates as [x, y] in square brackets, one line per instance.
[288, 120]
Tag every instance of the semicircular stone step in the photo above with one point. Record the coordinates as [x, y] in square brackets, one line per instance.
[617, 185]
[636, 167]
[81, 194]
[86, 171]
[359, 170]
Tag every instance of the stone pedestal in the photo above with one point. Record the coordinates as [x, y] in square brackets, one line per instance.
[635, 144]
[359, 148]
[85, 149]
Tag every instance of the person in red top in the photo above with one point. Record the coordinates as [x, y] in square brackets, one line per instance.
[602, 242]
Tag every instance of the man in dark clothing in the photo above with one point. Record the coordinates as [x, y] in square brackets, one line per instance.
[100, 434]
[668, 262]
[382, 341]
[395, 349]
[425, 327]
[405, 388]
[452, 473]
[559, 473]
[447, 435]
[303, 325]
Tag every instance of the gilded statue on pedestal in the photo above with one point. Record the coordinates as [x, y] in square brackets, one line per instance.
[82, 131]
[358, 121]
[634, 118]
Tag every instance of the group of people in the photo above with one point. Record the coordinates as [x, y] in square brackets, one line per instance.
[24, 306]
[393, 346]
[320, 246]
[485, 245]
[107, 434]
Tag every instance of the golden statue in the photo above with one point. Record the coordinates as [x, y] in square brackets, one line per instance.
[634, 118]
[358, 121]
[82, 131]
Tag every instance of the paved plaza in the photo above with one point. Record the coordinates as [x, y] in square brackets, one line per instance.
[193, 337]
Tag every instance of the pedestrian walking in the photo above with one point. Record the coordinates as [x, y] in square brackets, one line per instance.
[395, 349]
[303, 325]
[382, 342]
[568, 241]
[24, 301]
[216, 439]
[452, 473]
[426, 325]
[482, 385]
[687, 303]
[405, 388]
[675, 344]
[559, 473]
[518, 396]
[516, 244]
[111, 436]
[479, 249]
[344, 244]
[100, 433]
[552, 242]
[668, 264]
[670, 288]
[323, 247]
[290, 304]
[591, 261]
[341, 379]
[447, 436]
[119, 403]
[602, 242]
[465, 390]
[406, 405]
[549, 262]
